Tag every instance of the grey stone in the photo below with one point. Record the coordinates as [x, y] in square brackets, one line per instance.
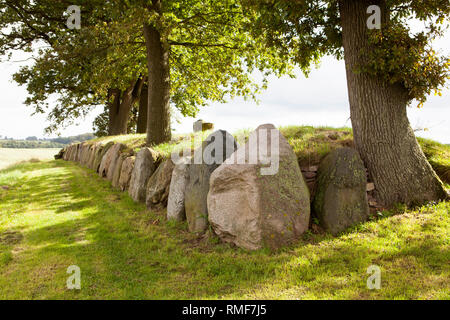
[256, 204]
[216, 148]
[118, 170]
[125, 173]
[144, 166]
[175, 203]
[198, 125]
[158, 186]
[109, 161]
[340, 200]
[100, 152]
[92, 152]
[85, 152]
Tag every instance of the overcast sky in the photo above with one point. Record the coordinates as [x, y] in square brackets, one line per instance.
[320, 100]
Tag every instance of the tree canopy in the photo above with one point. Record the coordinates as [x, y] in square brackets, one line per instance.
[212, 53]
[310, 29]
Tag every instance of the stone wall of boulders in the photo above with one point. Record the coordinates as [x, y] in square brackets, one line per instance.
[238, 197]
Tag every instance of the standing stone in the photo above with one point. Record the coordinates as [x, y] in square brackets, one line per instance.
[213, 152]
[158, 185]
[73, 152]
[175, 203]
[116, 157]
[89, 155]
[125, 173]
[64, 155]
[67, 153]
[100, 153]
[82, 153]
[198, 125]
[90, 162]
[341, 200]
[255, 203]
[60, 154]
[79, 150]
[144, 166]
[85, 152]
[117, 170]
[109, 161]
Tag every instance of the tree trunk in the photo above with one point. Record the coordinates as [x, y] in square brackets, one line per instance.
[143, 111]
[382, 133]
[114, 107]
[158, 123]
[120, 108]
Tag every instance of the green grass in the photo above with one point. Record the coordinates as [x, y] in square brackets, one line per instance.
[56, 214]
[9, 156]
[439, 157]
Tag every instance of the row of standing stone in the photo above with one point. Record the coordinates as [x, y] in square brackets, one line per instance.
[241, 205]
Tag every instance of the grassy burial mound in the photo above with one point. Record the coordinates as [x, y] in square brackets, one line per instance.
[57, 214]
[310, 144]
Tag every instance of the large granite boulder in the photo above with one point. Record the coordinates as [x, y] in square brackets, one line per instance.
[215, 149]
[340, 200]
[125, 173]
[158, 186]
[258, 197]
[100, 152]
[109, 161]
[175, 202]
[144, 166]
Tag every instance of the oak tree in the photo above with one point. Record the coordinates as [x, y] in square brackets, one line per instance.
[388, 67]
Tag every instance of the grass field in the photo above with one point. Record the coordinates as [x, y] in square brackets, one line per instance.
[9, 156]
[56, 214]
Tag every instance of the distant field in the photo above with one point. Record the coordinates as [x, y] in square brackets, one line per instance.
[11, 156]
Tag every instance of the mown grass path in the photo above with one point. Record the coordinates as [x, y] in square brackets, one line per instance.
[56, 214]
